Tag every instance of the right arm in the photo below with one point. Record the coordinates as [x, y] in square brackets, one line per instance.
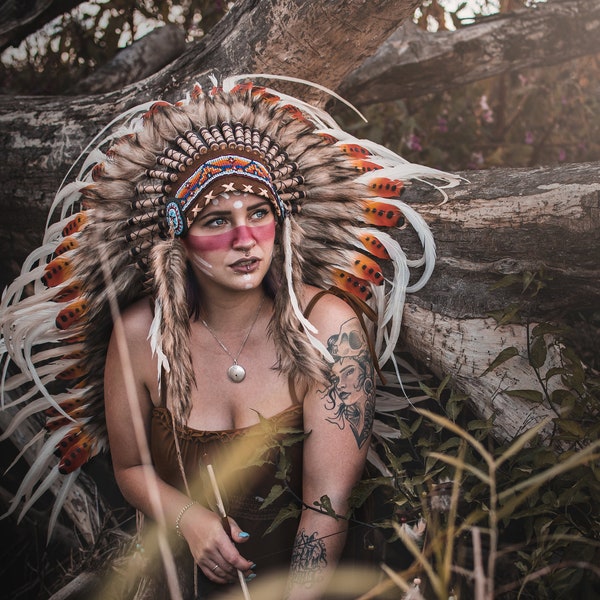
[130, 374]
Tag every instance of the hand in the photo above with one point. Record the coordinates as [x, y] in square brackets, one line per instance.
[213, 550]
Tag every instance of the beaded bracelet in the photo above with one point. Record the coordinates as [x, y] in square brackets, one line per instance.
[181, 513]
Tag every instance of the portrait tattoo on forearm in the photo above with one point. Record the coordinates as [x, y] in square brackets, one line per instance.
[350, 395]
[309, 559]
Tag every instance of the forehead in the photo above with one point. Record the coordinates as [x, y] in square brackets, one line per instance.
[235, 201]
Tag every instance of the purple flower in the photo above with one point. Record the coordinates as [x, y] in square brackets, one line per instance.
[442, 125]
[562, 155]
[476, 161]
[529, 137]
[414, 143]
[487, 115]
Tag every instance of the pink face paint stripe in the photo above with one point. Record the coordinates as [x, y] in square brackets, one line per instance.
[224, 241]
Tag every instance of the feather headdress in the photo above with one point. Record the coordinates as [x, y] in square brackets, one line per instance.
[117, 238]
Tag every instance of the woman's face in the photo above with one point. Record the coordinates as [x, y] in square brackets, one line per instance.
[347, 373]
[230, 244]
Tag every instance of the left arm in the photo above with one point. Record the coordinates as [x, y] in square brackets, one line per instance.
[339, 417]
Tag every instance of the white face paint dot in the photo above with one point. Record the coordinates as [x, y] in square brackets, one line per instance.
[238, 204]
[215, 202]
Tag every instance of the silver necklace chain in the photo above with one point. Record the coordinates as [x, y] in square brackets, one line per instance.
[236, 372]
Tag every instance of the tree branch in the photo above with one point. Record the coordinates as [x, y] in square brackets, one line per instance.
[413, 62]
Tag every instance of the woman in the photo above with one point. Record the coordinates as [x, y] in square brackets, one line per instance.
[230, 246]
[207, 305]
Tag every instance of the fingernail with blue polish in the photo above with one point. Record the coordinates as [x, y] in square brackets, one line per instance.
[253, 566]
[250, 577]
[243, 534]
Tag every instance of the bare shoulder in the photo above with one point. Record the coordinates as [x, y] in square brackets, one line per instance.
[136, 320]
[130, 348]
[329, 311]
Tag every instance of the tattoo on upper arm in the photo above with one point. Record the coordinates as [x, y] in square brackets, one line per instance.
[350, 395]
[309, 558]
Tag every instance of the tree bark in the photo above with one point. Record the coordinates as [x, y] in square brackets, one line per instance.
[413, 62]
[510, 222]
[146, 56]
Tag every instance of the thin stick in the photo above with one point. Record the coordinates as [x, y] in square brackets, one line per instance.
[225, 521]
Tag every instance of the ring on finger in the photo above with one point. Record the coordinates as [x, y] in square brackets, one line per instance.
[215, 567]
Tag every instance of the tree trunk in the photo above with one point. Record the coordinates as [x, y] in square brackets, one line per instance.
[413, 62]
[147, 56]
[505, 222]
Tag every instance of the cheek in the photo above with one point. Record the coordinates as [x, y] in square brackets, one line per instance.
[264, 234]
[209, 243]
[224, 241]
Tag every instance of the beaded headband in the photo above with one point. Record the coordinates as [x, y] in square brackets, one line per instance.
[206, 178]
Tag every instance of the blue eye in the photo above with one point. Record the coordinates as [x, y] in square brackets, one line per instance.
[216, 222]
[261, 213]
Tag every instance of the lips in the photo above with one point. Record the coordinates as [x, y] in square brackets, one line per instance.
[246, 265]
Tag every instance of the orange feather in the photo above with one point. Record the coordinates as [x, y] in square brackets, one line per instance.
[386, 187]
[71, 314]
[74, 372]
[57, 271]
[365, 166]
[354, 150]
[366, 268]
[54, 423]
[242, 87]
[383, 215]
[373, 245]
[74, 225]
[67, 244]
[66, 405]
[155, 108]
[353, 285]
[328, 138]
[69, 293]
[75, 454]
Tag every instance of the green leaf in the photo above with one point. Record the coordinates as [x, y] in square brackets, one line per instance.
[538, 353]
[508, 315]
[289, 512]
[571, 427]
[505, 355]
[530, 395]
[275, 492]
[324, 503]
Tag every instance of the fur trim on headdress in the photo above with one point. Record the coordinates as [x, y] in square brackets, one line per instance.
[337, 200]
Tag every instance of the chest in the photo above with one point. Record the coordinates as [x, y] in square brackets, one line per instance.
[218, 403]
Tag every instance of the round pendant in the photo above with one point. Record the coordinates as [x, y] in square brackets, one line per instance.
[236, 373]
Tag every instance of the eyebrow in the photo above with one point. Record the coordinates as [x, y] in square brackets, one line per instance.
[222, 213]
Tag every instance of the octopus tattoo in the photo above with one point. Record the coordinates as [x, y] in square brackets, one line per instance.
[350, 395]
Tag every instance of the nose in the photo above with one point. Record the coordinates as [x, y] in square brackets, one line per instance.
[243, 238]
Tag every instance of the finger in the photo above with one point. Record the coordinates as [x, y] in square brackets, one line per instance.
[232, 558]
[237, 534]
[216, 573]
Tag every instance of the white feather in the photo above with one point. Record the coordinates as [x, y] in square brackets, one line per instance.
[309, 328]
[66, 487]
